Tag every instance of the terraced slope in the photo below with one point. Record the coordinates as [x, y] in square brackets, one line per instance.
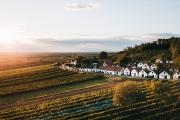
[99, 105]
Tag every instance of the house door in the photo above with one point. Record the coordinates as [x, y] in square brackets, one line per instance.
[165, 77]
[142, 75]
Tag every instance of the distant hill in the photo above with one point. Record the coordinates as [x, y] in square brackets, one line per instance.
[167, 49]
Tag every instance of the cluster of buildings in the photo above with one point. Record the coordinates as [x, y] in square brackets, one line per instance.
[140, 70]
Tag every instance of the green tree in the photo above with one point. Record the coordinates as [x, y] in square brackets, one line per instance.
[103, 55]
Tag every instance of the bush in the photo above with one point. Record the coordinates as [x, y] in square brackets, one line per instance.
[127, 93]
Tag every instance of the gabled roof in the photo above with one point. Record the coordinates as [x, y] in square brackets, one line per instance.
[147, 71]
[118, 68]
[137, 69]
[155, 71]
[69, 65]
[169, 72]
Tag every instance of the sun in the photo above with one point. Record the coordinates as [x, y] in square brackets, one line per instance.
[8, 37]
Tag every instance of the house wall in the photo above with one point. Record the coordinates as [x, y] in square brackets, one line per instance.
[176, 76]
[126, 72]
[153, 67]
[142, 73]
[134, 73]
[146, 66]
[153, 74]
[140, 65]
[164, 75]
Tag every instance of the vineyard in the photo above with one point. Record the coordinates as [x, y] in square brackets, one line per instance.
[38, 77]
[99, 105]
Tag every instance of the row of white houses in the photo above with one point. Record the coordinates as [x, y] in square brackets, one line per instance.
[133, 72]
[142, 69]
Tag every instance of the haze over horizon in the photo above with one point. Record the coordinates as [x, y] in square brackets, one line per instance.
[85, 25]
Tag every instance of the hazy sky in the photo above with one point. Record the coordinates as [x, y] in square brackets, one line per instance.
[24, 20]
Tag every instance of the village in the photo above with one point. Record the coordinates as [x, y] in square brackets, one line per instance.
[135, 70]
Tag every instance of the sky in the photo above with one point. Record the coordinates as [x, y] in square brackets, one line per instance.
[85, 25]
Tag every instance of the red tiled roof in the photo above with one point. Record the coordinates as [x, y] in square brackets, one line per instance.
[111, 68]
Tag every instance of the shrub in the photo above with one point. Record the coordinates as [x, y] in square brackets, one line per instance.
[127, 93]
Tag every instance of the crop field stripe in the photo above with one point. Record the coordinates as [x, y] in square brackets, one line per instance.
[13, 72]
[98, 106]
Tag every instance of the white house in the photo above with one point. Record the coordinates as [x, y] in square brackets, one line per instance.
[159, 61]
[153, 74]
[108, 70]
[104, 64]
[164, 75]
[67, 67]
[135, 72]
[74, 62]
[143, 73]
[169, 61]
[140, 64]
[176, 76]
[127, 71]
[146, 66]
[119, 70]
[153, 67]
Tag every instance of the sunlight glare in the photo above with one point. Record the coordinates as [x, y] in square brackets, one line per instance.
[8, 37]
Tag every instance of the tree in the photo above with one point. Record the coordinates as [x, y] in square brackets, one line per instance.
[103, 55]
[127, 93]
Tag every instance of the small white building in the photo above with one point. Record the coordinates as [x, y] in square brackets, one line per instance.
[67, 67]
[169, 61]
[108, 70]
[164, 75]
[127, 71]
[140, 64]
[153, 67]
[176, 76]
[159, 60]
[146, 66]
[153, 74]
[143, 73]
[74, 62]
[119, 70]
[135, 72]
[104, 64]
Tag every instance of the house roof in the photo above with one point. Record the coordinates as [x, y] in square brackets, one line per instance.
[146, 70]
[169, 72]
[137, 69]
[69, 65]
[130, 68]
[111, 68]
[118, 68]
